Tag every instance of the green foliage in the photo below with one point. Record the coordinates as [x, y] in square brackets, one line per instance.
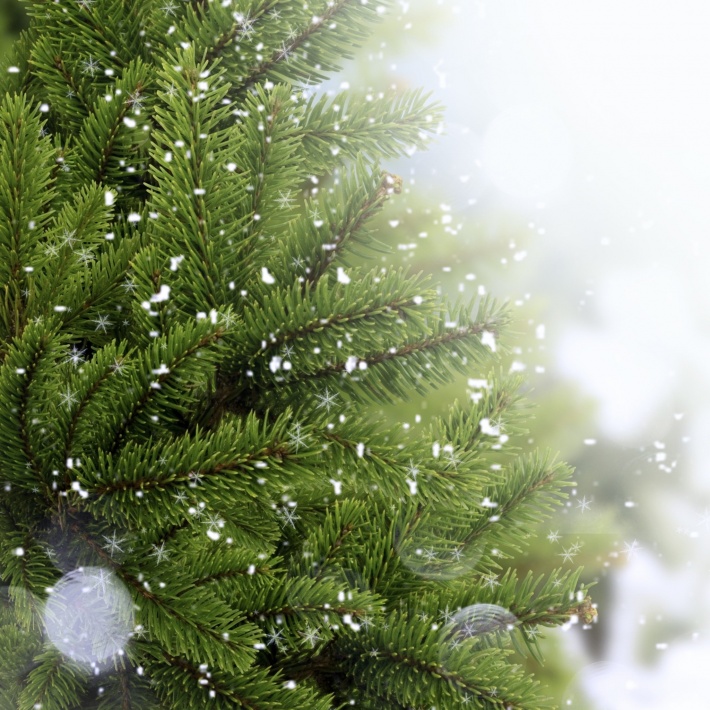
[188, 363]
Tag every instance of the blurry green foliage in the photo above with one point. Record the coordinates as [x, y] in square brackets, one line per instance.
[13, 20]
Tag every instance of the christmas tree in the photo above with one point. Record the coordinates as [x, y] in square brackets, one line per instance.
[200, 507]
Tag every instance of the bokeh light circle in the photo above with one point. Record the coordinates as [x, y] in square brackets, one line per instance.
[88, 615]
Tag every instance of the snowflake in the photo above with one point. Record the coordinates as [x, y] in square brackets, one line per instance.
[195, 479]
[100, 580]
[75, 356]
[631, 548]
[85, 255]
[374, 653]
[68, 398]
[491, 581]
[326, 400]
[90, 66]
[275, 636]
[412, 470]
[169, 8]
[247, 27]
[298, 262]
[102, 322]
[568, 555]
[180, 497]
[135, 100]
[51, 250]
[311, 636]
[118, 366]
[160, 553]
[289, 515]
[284, 200]
[213, 520]
[113, 544]
[85, 4]
[228, 319]
[457, 553]
[554, 536]
[447, 615]
[298, 438]
[583, 504]
[69, 238]
[129, 286]
[430, 554]
[284, 52]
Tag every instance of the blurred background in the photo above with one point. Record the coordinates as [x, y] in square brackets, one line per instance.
[571, 179]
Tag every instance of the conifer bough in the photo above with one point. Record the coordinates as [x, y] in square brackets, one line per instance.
[199, 509]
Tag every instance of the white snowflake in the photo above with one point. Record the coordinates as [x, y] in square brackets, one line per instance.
[289, 515]
[102, 322]
[583, 504]
[284, 200]
[68, 398]
[326, 400]
[169, 8]
[311, 636]
[75, 356]
[113, 544]
[297, 437]
[100, 579]
[90, 66]
[160, 553]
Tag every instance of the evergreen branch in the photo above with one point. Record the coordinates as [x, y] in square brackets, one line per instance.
[186, 343]
[25, 192]
[106, 127]
[27, 361]
[55, 683]
[378, 126]
[407, 660]
[233, 645]
[532, 486]
[243, 25]
[401, 366]
[256, 689]
[309, 35]
[354, 222]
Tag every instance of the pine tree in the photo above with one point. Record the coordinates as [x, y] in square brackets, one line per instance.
[200, 507]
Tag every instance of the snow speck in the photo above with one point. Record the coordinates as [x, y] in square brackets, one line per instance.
[175, 262]
[489, 339]
[266, 277]
[343, 278]
[134, 217]
[109, 198]
[162, 295]
[488, 428]
[337, 486]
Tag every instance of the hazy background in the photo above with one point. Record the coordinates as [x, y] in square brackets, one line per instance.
[571, 178]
